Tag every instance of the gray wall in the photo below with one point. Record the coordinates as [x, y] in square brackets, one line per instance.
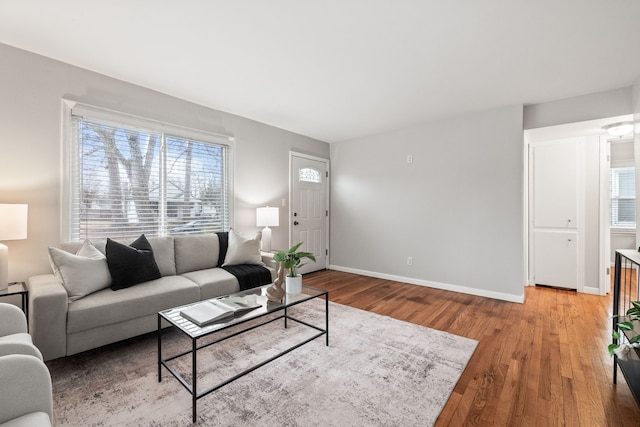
[30, 142]
[593, 106]
[457, 209]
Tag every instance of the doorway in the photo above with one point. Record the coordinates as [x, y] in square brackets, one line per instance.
[594, 274]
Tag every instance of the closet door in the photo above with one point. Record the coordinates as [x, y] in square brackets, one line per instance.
[557, 233]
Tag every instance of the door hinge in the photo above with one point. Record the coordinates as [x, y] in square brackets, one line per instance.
[326, 173]
[326, 213]
[326, 251]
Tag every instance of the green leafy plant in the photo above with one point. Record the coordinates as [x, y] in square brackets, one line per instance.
[292, 260]
[632, 315]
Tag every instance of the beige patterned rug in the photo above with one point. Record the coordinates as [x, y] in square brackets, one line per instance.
[376, 371]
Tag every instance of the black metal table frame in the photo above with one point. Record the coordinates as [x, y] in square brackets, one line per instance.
[192, 388]
[621, 302]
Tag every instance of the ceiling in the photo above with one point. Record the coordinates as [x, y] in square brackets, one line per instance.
[342, 69]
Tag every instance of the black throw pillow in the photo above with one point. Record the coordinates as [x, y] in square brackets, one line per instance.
[131, 264]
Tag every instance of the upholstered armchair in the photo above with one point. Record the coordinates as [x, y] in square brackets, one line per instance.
[25, 392]
[14, 337]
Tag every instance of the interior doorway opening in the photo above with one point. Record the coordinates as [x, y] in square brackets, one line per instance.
[599, 243]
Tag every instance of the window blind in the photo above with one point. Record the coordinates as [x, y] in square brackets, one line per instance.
[128, 180]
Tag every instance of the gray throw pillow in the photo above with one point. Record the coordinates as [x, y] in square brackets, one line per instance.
[242, 250]
[83, 273]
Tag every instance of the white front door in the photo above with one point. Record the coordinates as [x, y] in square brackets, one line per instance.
[309, 210]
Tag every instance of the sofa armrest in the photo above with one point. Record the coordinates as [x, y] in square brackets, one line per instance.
[48, 303]
[26, 387]
[19, 347]
[267, 258]
[13, 320]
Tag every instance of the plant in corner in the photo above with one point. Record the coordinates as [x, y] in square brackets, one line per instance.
[622, 350]
[292, 260]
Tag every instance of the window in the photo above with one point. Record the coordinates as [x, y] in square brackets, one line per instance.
[127, 180]
[309, 175]
[623, 197]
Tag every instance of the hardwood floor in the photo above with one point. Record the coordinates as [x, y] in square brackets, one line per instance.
[541, 363]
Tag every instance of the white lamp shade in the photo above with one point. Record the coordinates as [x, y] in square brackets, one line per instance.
[267, 217]
[13, 222]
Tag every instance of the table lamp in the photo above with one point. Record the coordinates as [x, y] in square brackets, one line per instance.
[266, 217]
[13, 226]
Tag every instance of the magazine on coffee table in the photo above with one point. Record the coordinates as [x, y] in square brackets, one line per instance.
[214, 310]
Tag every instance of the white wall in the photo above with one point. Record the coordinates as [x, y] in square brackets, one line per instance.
[31, 89]
[457, 209]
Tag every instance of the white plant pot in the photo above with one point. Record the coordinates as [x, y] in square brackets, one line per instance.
[293, 285]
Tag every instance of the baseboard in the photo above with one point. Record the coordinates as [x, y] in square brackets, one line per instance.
[435, 285]
[591, 290]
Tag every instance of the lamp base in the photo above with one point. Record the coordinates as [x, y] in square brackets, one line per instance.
[4, 267]
[265, 242]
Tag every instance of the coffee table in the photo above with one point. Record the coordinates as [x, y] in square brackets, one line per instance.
[197, 333]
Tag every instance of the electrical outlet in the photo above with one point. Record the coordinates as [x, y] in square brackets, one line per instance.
[409, 158]
[409, 260]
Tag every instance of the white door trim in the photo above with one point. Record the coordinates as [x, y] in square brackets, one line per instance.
[293, 154]
[605, 218]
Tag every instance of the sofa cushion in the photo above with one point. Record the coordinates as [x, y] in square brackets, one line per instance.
[164, 254]
[214, 282]
[130, 265]
[242, 250]
[196, 252]
[107, 307]
[80, 274]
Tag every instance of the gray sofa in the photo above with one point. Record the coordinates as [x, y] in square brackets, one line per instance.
[189, 267]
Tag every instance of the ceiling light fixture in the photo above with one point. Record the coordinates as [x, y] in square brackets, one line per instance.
[619, 129]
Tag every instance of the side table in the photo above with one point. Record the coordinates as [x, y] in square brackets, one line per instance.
[18, 288]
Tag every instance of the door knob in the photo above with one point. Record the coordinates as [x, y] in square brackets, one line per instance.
[295, 223]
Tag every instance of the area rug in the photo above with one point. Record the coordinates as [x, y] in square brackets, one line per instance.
[376, 371]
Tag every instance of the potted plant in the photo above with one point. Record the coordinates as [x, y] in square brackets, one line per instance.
[622, 350]
[292, 260]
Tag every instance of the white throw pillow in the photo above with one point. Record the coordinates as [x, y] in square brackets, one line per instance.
[243, 251]
[83, 273]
